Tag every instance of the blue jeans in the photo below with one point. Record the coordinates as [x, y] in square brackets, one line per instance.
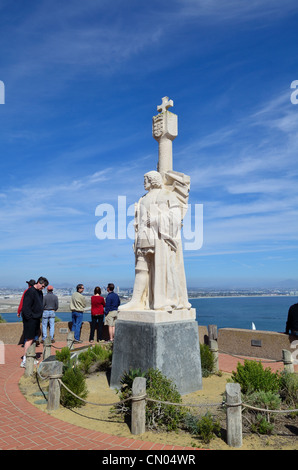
[77, 320]
[48, 316]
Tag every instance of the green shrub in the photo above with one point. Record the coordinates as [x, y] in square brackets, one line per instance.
[158, 414]
[207, 360]
[95, 358]
[261, 425]
[127, 379]
[205, 427]
[159, 387]
[252, 377]
[63, 356]
[289, 388]
[85, 360]
[2, 320]
[267, 400]
[74, 379]
[262, 422]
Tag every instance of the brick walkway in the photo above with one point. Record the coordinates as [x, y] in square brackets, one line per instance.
[229, 363]
[25, 427]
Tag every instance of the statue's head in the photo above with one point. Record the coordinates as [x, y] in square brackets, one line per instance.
[154, 178]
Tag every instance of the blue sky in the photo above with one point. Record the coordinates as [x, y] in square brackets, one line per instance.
[82, 82]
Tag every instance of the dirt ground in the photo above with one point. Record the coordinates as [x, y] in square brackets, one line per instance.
[100, 418]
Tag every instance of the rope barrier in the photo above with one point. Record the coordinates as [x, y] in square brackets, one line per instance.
[190, 405]
[59, 347]
[139, 398]
[185, 404]
[245, 405]
[91, 403]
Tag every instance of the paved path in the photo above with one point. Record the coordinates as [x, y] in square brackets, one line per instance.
[25, 427]
[228, 363]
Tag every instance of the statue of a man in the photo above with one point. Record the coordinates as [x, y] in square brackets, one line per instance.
[159, 270]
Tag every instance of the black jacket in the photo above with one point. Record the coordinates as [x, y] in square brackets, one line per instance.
[292, 322]
[32, 304]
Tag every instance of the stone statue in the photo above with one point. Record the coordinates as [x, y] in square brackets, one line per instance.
[158, 328]
[159, 269]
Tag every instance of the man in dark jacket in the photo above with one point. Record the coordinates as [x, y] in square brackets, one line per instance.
[292, 321]
[32, 312]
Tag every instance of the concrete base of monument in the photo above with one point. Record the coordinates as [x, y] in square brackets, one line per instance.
[171, 346]
[157, 316]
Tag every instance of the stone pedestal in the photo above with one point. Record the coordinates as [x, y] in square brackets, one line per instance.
[159, 340]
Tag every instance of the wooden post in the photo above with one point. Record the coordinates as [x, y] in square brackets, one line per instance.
[287, 360]
[212, 332]
[70, 339]
[214, 349]
[47, 347]
[234, 417]
[30, 357]
[138, 408]
[54, 386]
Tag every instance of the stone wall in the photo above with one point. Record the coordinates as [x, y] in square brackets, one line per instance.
[254, 343]
[12, 333]
[251, 343]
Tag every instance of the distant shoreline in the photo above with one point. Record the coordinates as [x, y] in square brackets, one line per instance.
[5, 308]
[241, 296]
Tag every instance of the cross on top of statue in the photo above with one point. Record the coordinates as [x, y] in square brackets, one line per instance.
[165, 105]
[165, 130]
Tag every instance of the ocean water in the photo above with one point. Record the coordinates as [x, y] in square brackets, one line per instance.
[267, 313]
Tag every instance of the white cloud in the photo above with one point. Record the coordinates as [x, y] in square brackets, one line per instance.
[249, 189]
[235, 10]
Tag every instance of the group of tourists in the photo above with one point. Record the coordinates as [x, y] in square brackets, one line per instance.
[103, 312]
[35, 307]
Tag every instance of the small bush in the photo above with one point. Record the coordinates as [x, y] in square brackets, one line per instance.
[127, 381]
[73, 376]
[74, 379]
[205, 427]
[63, 356]
[262, 422]
[289, 388]
[252, 377]
[261, 425]
[95, 358]
[2, 320]
[159, 387]
[266, 400]
[207, 360]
